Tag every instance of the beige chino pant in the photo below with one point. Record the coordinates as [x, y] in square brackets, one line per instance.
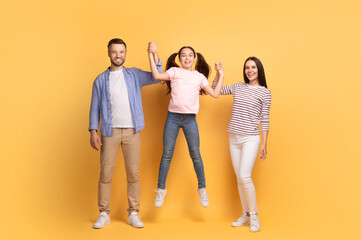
[129, 140]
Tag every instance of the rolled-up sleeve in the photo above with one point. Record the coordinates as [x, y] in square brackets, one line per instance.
[94, 113]
[147, 78]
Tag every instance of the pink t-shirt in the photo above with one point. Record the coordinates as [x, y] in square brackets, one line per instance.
[185, 90]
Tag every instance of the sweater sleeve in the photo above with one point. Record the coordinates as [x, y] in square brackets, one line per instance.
[226, 90]
[266, 104]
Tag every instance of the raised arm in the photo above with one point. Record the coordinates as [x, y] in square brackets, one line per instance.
[215, 92]
[153, 53]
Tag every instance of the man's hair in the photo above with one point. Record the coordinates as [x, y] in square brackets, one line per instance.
[117, 41]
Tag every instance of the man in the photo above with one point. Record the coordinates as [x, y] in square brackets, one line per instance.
[116, 99]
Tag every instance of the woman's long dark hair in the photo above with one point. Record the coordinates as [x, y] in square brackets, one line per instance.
[201, 66]
[261, 75]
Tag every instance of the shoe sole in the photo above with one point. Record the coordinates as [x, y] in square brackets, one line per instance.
[131, 224]
[242, 225]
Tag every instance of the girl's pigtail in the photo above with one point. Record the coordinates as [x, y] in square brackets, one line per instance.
[170, 63]
[202, 67]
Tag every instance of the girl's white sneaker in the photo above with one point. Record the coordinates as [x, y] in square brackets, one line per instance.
[159, 199]
[203, 197]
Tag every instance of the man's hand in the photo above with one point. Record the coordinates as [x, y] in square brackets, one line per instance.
[94, 139]
[152, 47]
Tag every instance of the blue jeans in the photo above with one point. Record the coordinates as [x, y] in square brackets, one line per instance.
[190, 128]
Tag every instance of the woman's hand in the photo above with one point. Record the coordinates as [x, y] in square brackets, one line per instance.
[219, 67]
[263, 153]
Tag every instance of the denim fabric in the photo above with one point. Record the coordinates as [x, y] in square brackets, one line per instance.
[100, 106]
[189, 125]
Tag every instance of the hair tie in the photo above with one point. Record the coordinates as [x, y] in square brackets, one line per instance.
[195, 51]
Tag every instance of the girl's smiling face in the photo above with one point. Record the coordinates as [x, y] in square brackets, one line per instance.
[186, 58]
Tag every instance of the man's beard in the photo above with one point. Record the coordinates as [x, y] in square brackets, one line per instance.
[117, 65]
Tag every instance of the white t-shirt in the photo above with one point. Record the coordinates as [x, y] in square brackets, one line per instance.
[119, 101]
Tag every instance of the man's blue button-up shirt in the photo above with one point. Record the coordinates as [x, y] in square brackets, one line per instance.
[100, 107]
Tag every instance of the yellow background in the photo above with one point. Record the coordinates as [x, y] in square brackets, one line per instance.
[307, 188]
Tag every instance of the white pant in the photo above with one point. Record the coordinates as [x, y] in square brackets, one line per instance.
[244, 149]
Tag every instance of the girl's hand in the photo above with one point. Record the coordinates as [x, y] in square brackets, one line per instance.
[152, 47]
[263, 153]
[219, 67]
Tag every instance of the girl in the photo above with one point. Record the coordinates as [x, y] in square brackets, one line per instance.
[185, 86]
[251, 104]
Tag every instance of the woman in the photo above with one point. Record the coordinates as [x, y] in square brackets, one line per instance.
[251, 104]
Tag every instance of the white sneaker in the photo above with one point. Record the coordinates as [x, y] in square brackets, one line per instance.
[255, 227]
[134, 220]
[242, 221]
[159, 199]
[103, 220]
[203, 197]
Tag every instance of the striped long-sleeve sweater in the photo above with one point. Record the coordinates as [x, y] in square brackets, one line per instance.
[250, 108]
